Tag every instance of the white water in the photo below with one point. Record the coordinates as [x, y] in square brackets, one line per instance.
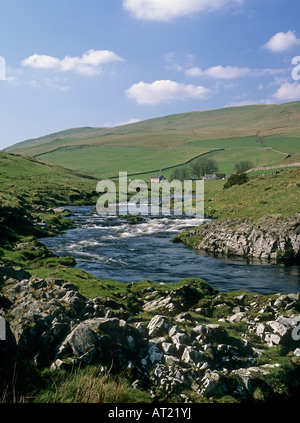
[119, 250]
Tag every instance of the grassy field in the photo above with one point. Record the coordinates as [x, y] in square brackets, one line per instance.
[107, 162]
[35, 182]
[264, 134]
[279, 193]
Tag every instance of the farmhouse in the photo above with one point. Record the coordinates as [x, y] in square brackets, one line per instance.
[157, 178]
[213, 176]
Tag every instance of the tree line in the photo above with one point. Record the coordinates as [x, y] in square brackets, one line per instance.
[204, 166]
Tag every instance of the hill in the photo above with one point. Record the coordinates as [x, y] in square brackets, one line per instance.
[264, 134]
[31, 181]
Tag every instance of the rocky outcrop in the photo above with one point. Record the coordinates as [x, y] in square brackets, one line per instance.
[189, 341]
[272, 237]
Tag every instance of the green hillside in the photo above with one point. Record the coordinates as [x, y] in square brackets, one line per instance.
[30, 181]
[264, 134]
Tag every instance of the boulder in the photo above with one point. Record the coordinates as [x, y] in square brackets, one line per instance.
[80, 341]
[213, 384]
[192, 356]
[158, 325]
[272, 237]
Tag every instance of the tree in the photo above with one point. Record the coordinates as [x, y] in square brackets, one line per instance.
[202, 166]
[181, 174]
[236, 180]
[242, 166]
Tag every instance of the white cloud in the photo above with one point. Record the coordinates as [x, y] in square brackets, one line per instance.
[195, 71]
[90, 63]
[231, 72]
[219, 72]
[121, 123]
[288, 92]
[282, 41]
[165, 91]
[166, 10]
[227, 72]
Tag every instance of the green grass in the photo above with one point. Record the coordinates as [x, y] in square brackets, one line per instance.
[273, 194]
[88, 385]
[289, 145]
[36, 182]
[158, 143]
[226, 160]
[105, 162]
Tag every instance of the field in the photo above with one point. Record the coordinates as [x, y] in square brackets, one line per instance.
[263, 134]
[107, 162]
[272, 194]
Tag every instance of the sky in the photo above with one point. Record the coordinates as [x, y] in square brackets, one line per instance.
[103, 63]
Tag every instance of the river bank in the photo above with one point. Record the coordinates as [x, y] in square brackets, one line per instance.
[184, 342]
[275, 238]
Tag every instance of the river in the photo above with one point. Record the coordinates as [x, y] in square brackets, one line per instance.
[113, 248]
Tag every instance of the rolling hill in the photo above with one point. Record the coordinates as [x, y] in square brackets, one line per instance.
[28, 180]
[264, 134]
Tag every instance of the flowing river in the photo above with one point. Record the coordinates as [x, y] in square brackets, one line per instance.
[118, 250]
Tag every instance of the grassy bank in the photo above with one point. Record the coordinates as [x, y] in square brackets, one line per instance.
[279, 193]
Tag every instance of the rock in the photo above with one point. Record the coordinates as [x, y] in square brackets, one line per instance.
[80, 341]
[9, 272]
[49, 322]
[59, 210]
[158, 325]
[159, 304]
[249, 375]
[142, 330]
[212, 384]
[200, 330]
[155, 355]
[168, 348]
[237, 317]
[180, 338]
[191, 355]
[171, 360]
[275, 238]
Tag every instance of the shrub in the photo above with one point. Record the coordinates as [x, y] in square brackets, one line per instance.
[236, 180]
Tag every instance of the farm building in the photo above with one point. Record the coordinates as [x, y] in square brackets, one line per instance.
[157, 178]
[213, 176]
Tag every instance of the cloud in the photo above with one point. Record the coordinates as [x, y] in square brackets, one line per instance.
[282, 41]
[194, 71]
[90, 63]
[121, 123]
[288, 92]
[219, 72]
[167, 10]
[231, 72]
[165, 91]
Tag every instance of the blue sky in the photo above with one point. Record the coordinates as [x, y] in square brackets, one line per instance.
[73, 63]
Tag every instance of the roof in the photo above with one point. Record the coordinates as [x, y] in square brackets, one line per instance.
[157, 176]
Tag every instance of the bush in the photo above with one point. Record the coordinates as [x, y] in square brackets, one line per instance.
[236, 180]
